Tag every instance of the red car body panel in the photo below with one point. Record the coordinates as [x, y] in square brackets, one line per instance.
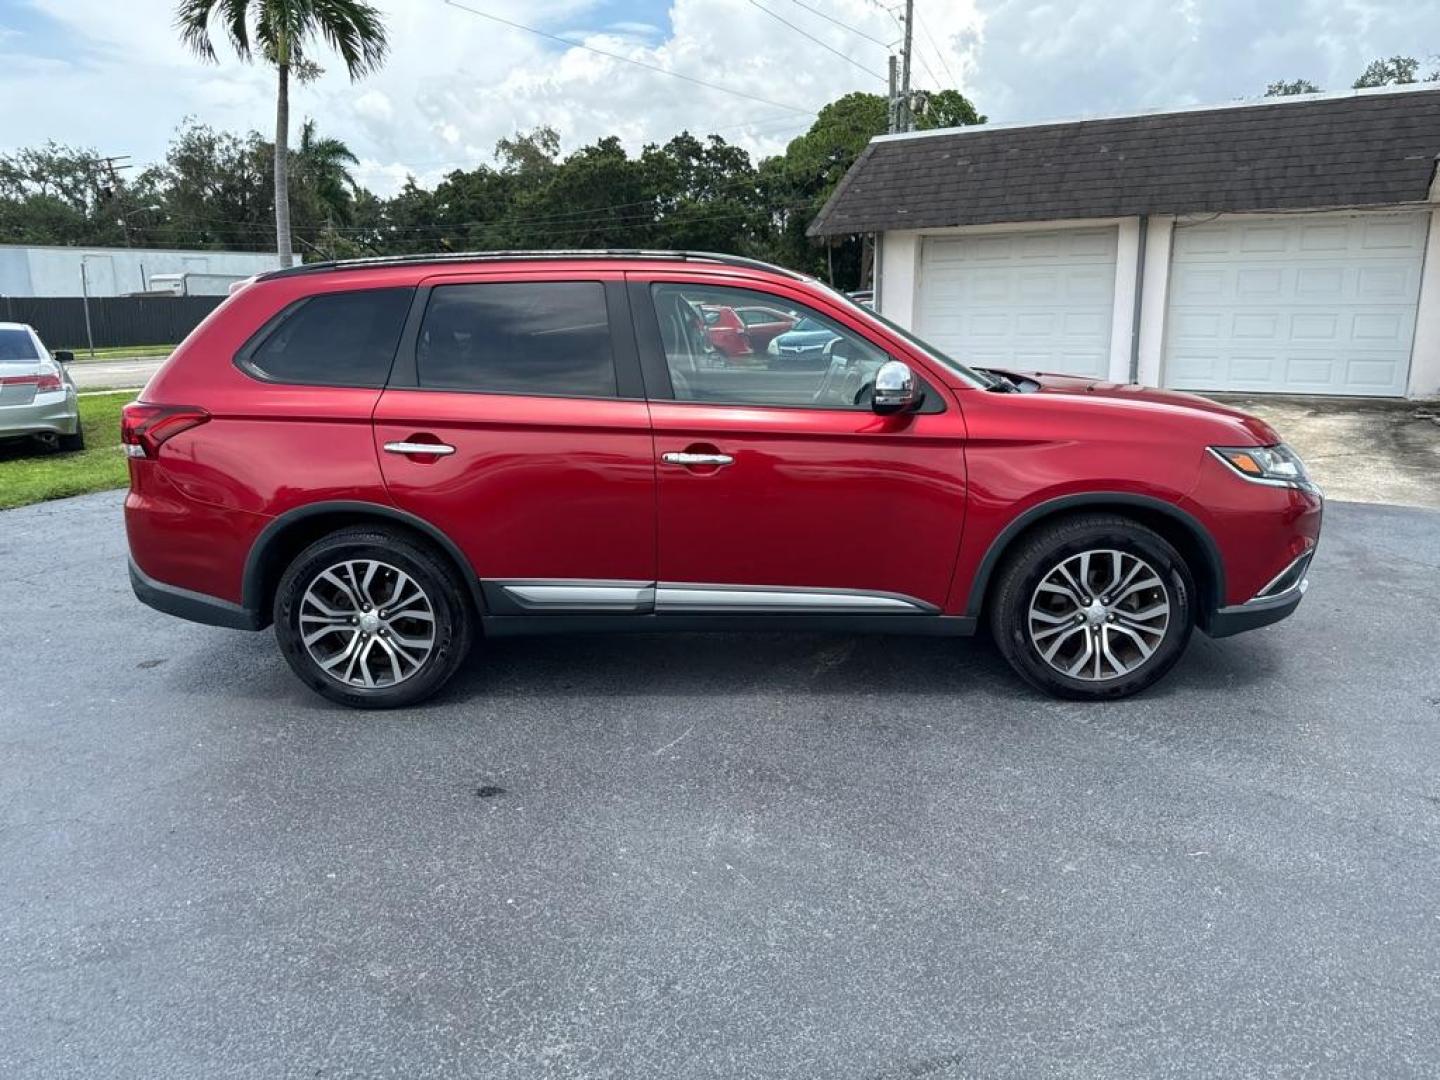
[727, 333]
[553, 487]
[819, 498]
[537, 488]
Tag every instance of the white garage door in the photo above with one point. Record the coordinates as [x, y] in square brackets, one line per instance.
[1029, 300]
[1314, 304]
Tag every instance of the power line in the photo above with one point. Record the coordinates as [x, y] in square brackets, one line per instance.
[939, 52]
[843, 25]
[628, 60]
[806, 34]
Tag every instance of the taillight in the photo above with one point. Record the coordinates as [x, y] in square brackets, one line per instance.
[144, 427]
[42, 383]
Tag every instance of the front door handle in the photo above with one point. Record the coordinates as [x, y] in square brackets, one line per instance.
[433, 449]
[690, 460]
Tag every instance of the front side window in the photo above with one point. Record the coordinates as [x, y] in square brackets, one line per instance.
[544, 338]
[815, 363]
[334, 339]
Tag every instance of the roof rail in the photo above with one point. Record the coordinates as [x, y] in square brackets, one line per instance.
[498, 256]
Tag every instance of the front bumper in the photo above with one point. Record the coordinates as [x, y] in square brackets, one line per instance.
[1256, 613]
[56, 413]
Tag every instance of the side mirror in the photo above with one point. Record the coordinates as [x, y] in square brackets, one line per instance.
[63, 356]
[896, 389]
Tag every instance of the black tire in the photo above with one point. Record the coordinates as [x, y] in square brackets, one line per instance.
[69, 444]
[441, 587]
[1033, 563]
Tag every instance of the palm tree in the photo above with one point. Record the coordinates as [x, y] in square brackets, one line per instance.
[322, 164]
[282, 31]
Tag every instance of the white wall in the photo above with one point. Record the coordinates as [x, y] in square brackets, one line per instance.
[55, 271]
[1425, 359]
[1155, 297]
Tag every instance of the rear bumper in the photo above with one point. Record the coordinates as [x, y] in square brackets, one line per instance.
[50, 413]
[197, 607]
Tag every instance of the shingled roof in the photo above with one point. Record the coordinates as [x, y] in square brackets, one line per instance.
[1360, 149]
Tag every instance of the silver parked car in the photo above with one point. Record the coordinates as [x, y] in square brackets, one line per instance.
[37, 395]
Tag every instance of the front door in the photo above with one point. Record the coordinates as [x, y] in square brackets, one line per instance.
[779, 490]
[542, 469]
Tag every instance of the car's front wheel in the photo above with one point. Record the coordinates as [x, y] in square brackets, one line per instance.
[372, 619]
[1093, 607]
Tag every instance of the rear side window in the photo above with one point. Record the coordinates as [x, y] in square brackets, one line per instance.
[17, 345]
[334, 339]
[545, 337]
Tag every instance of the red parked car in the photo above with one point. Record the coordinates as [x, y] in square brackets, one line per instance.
[744, 332]
[389, 459]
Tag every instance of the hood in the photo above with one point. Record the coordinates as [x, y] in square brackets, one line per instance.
[1145, 399]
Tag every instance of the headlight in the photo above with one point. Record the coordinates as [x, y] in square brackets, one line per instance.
[1277, 465]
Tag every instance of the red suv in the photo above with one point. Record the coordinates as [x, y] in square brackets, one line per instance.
[390, 458]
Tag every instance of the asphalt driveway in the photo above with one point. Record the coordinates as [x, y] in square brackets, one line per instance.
[718, 857]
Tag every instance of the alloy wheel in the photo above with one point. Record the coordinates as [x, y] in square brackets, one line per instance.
[1099, 615]
[367, 623]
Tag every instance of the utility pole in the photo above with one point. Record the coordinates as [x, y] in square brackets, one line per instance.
[115, 194]
[906, 120]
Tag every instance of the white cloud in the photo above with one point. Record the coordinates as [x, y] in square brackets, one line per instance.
[455, 82]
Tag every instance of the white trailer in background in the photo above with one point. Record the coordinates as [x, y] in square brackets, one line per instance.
[194, 284]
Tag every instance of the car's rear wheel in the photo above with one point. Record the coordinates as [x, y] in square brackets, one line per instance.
[372, 618]
[68, 444]
[1093, 607]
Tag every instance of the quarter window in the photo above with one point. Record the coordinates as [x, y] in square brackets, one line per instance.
[815, 362]
[548, 337]
[334, 339]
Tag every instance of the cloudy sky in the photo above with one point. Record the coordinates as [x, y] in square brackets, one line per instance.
[110, 74]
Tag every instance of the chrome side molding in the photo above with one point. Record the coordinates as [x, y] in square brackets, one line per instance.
[668, 597]
[675, 596]
[617, 596]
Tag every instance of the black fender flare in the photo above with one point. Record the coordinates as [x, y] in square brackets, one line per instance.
[252, 589]
[1065, 503]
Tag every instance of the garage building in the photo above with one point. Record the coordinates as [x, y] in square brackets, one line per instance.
[1288, 245]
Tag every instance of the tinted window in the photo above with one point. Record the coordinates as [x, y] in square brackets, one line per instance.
[17, 345]
[335, 339]
[817, 364]
[547, 337]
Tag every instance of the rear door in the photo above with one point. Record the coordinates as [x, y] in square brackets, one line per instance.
[528, 388]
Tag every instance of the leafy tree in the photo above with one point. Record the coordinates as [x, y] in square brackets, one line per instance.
[1291, 88]
[1397, 70]
[946, 108]
[212, 191]
[283, 31]
[56, 194]
[529, 153]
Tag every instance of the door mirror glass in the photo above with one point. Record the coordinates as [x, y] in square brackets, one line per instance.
[896, 388]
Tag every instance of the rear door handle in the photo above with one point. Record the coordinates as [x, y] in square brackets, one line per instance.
[434, 449]
[689, 459]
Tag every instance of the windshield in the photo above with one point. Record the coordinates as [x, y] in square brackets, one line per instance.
[978, 378]
[17, 345]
